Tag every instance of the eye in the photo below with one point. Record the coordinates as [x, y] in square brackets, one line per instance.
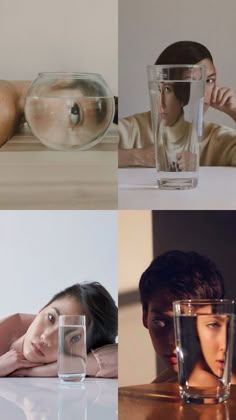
[213, 325]
[75, 114]
[210, 81]
[159, 323]
[51, 318]
[75, 339]
[168, 89]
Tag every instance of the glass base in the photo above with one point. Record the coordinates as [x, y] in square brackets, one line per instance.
[71, 377]
[177, 183]
[205, 396]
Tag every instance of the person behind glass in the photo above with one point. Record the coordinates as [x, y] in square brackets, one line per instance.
[12, 117]
[218, 144]
[29, 343]
[178, 275]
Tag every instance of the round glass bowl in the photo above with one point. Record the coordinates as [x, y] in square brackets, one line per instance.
[67, 111]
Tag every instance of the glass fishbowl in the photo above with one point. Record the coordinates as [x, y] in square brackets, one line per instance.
[67, 111]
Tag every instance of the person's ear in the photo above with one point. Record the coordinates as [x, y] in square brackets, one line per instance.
[145, 316]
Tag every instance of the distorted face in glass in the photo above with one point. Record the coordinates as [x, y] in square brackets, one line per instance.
[41, 339]
[212, 334]
[170, 108]
[159, 321]
[67, 115]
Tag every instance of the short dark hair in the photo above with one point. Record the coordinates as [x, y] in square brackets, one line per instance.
[184, 52]
[99, 307]
[183, 275]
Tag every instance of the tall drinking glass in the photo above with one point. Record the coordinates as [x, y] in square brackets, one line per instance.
[72, 348]
[177, 99]
[204, 342]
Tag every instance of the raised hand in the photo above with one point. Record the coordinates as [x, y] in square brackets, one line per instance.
[186, 161]
[224, 100]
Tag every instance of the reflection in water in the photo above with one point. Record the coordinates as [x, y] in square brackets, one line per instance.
[47, 399]
[206, 412]
[204, 354]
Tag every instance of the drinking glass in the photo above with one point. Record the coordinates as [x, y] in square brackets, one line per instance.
[72, 352]
[67, 111]
[177, 99]
[204, 342]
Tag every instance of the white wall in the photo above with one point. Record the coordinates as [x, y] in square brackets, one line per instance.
[137, 362]
[56, 35]
[42, 252]
[146, 27]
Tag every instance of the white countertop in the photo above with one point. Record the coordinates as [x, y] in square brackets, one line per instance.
[34, 177]
[216, 190]
[49, 399]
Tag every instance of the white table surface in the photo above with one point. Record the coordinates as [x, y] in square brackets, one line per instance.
[216, 190]
[34, 177]
[49, 399]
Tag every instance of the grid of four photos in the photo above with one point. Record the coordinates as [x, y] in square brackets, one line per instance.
[117, 210]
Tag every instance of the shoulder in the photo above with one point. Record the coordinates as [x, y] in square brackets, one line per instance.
[166, 376]
[19, 322]
[136, 130]
[140, 118]
[218, 131]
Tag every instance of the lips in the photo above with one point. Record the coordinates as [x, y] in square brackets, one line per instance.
[36, 348]
[172, 358]
[220, 364]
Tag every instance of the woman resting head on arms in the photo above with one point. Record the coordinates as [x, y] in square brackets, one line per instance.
[29, 343]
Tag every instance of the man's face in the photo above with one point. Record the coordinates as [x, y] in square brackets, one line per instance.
[159, 321]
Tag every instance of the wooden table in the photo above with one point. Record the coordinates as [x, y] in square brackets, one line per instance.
[34, 177]
[162, 402]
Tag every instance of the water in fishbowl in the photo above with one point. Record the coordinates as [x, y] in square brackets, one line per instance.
[72, 353]
[72, 122]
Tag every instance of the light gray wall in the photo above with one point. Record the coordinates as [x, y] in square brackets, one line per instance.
[56, 35]
[42, 252]
[146, 27]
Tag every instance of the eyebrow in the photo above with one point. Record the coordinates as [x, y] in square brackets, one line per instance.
[56, 310]
[71, 330]
[211, 75]
[156, 311]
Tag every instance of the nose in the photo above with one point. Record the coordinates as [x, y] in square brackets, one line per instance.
[222, 340]
[171, 342]
[162, 99]
[49, 338]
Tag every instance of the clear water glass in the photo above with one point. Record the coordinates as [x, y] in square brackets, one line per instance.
[177, 101]
[204, 331]
[72, 352]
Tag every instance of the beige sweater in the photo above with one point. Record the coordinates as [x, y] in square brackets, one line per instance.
[217, 148]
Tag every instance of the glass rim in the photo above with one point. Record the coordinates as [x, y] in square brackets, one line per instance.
[204, 301]
[83, 316]
[169, 66]
[67, 74]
